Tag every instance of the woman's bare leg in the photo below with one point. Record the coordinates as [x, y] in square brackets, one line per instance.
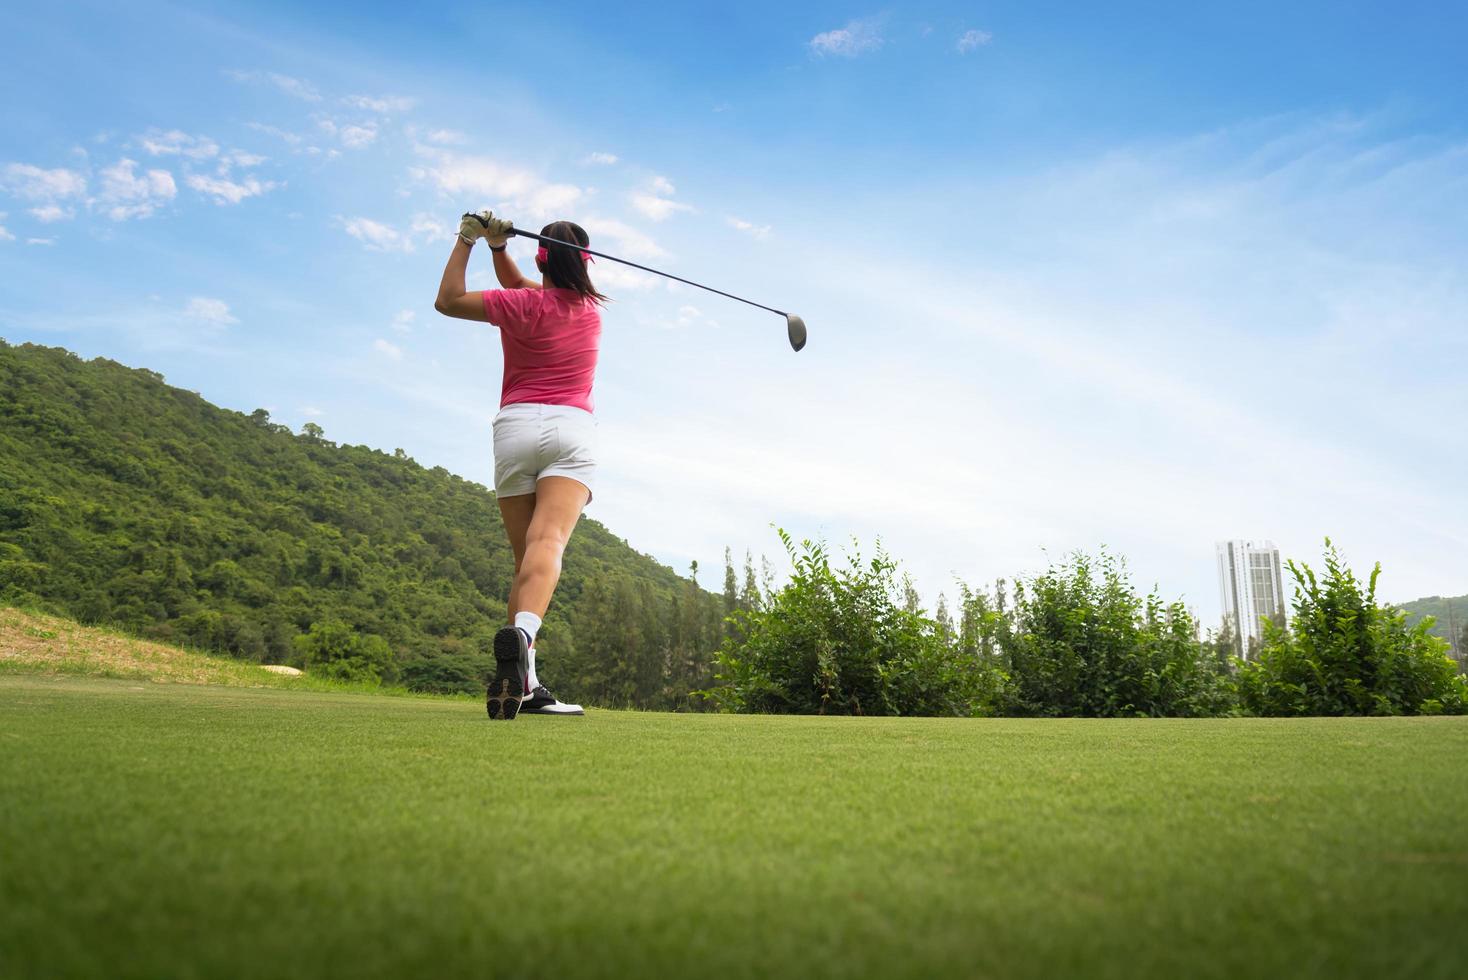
[516, 512]
[558, 504]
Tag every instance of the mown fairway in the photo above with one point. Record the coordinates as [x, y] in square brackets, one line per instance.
[168, 830]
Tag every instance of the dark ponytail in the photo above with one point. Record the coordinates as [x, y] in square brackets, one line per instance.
[564, 268]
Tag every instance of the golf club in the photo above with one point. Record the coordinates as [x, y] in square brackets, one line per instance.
[794, 325]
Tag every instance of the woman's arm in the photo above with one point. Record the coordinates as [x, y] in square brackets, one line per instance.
[452, 299]
[508, 273]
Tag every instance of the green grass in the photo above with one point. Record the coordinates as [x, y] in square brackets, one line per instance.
[183, 830]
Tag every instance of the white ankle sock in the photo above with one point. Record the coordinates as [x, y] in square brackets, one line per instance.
[531, 681]
[530, 623]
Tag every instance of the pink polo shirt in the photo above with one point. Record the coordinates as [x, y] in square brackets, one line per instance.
[551, 338]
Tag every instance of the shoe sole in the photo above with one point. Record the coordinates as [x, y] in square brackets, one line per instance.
[507, 689]
[551, 710]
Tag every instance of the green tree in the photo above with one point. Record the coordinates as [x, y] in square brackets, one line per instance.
[843, 642]
[1081, 642]
[1344, 654]
[750, 597]
[331, 649]
[731, 584]
[1222, 645]
[911, 601]
[982, 624]
[943, 619]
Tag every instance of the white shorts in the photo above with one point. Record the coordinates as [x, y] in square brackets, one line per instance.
[533, 441]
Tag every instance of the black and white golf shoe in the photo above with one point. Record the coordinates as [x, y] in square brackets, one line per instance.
[512, 667]
[542, 702]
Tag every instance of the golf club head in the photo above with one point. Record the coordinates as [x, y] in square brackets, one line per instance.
[796, 327]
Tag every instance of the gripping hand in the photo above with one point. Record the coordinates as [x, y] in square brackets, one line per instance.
[485, 225]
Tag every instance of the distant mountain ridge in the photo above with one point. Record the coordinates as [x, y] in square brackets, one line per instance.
[1449, 612]
[126, 501]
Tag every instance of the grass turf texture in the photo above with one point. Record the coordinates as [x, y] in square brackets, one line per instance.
[174, 830]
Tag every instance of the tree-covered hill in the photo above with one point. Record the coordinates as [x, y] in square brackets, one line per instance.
[126, 501]
[1448, 612]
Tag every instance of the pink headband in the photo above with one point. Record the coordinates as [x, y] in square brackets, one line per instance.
[543, 256]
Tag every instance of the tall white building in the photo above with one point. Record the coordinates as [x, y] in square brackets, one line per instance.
[1252, 584]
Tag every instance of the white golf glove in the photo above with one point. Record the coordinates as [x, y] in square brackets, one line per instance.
[485, 225]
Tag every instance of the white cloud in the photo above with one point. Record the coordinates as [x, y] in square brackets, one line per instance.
[178, 143]
[214, 312]
[969, 40]
[148, 327]
[48, 213]
[40, 241]
[225, 191]
[357, 137]
[749, 227]
[353, 136]
[656, 208]
[380, 237]
[426, 228]
[613, 278]
[391, 350]
[682, 317]
[383, 104]
[856, 38]
[293, 87]
[656, 203]
[36, 184]
[553, 200]
[292, 138]
[126, 194]
[5, 236]
[477, 182]
[600, 159]
[239, 158]
[375, 235]
[402, 321]
[629, 242]
[311, 412]
[446, 137]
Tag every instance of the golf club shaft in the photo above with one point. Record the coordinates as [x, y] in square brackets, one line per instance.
[602, 255]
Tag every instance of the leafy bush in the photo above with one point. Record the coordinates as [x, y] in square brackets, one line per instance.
[333, 650]
[1345, 655]
[1080, 642]
[838, 642]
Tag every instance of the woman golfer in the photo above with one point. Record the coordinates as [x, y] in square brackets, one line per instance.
[544, 434]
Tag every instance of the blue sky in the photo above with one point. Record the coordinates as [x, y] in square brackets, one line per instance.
[1142, 276]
